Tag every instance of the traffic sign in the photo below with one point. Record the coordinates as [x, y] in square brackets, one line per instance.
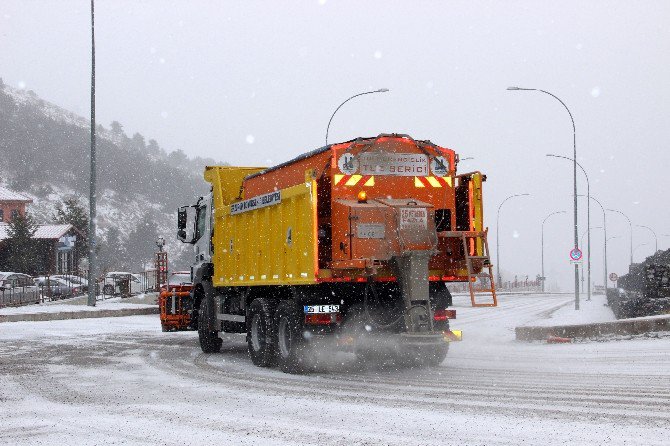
[576, 254]
[614, 277]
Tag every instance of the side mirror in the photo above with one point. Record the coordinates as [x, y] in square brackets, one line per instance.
[186, 224]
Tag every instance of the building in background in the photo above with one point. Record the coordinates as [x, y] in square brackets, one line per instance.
[12, 204]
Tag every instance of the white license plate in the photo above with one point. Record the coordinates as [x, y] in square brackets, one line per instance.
[314, 309]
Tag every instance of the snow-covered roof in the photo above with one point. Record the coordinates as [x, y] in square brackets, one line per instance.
[51, 231]
[43, 231]
[8, 195]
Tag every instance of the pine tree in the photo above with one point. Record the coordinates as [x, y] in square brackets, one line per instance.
[22, 248]
[141, 243]
[112, 252]
[70, 211]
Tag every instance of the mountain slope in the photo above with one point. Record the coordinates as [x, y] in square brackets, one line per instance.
[44, 153]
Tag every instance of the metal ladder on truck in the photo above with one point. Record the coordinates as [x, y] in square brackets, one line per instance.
[470, 241]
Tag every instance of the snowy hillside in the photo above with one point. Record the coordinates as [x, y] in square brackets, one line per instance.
[45, 155]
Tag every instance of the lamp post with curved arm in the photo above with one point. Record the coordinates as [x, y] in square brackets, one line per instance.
[381, 90]
[605, 237]
[588, 223]
[655, 238]
[631, 232]
[498, 232]
[574, 177]
[543, 221]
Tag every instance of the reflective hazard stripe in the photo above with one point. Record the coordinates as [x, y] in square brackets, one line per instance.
[352, 180]
[432, 181]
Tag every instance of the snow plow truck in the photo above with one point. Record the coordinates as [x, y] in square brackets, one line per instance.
[347, 247]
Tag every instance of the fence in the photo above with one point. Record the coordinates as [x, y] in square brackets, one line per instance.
[27, 290]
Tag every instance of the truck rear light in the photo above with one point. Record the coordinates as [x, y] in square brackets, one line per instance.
[443, 315]
[323, 318]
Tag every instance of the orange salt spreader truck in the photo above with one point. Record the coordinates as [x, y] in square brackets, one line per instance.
[350, 246]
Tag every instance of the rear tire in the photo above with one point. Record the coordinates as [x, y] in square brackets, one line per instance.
[291, 344]
[209, 339]
[261, 338]
[422, 356]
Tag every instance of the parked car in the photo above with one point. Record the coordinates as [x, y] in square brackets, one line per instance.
[121, 282]
[76, 281]
[56, 288]
[17, 288]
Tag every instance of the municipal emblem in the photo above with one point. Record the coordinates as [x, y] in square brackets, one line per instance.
[439, 166]
[348, 164]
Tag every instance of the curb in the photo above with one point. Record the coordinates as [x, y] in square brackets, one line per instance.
[77, 314]
[631, 326]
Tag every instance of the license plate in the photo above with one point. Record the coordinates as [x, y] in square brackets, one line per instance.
[318, 309]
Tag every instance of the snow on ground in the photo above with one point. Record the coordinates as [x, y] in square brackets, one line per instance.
[79, 304]
[594, 310]
[123, 381]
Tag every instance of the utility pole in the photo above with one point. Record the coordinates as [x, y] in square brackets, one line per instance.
[92, 193]
[574, 177]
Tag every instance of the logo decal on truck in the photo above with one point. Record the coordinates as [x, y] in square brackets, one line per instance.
[258, 202]
[348, 164]
[440, 166]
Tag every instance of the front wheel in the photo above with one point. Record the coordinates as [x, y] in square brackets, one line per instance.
[209, 339]
[291, 344]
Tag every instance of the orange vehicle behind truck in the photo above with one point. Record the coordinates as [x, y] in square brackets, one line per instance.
[174, 302]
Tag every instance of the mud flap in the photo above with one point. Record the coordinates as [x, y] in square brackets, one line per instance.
[412, 273]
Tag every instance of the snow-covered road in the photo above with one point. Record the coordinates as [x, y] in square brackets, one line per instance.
[123, 381]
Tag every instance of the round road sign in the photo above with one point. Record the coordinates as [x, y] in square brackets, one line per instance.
[614, 277]
[576, 254]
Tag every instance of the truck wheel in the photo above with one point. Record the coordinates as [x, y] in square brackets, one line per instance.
[209, 340]
[430, 356]
[108, 290]
[291, 345]
[261, 340]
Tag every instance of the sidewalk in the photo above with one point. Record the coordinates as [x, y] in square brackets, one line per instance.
[77, 308]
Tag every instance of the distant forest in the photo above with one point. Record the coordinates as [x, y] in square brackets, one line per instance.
[43, 147]
[38, 149]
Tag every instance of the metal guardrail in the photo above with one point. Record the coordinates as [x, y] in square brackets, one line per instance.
[16, 296]
[72, 284]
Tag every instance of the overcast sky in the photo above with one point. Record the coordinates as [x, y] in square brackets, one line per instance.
[254, 83]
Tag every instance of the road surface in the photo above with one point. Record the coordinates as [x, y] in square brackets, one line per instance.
[123, 381]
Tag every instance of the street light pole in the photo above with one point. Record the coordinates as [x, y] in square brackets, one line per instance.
[631, 232]
[655, 238]
[605, 236]
[588, 223]
[92, 193]
[574, 177]
[498, 233]
[545, 219]
[381, 90]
